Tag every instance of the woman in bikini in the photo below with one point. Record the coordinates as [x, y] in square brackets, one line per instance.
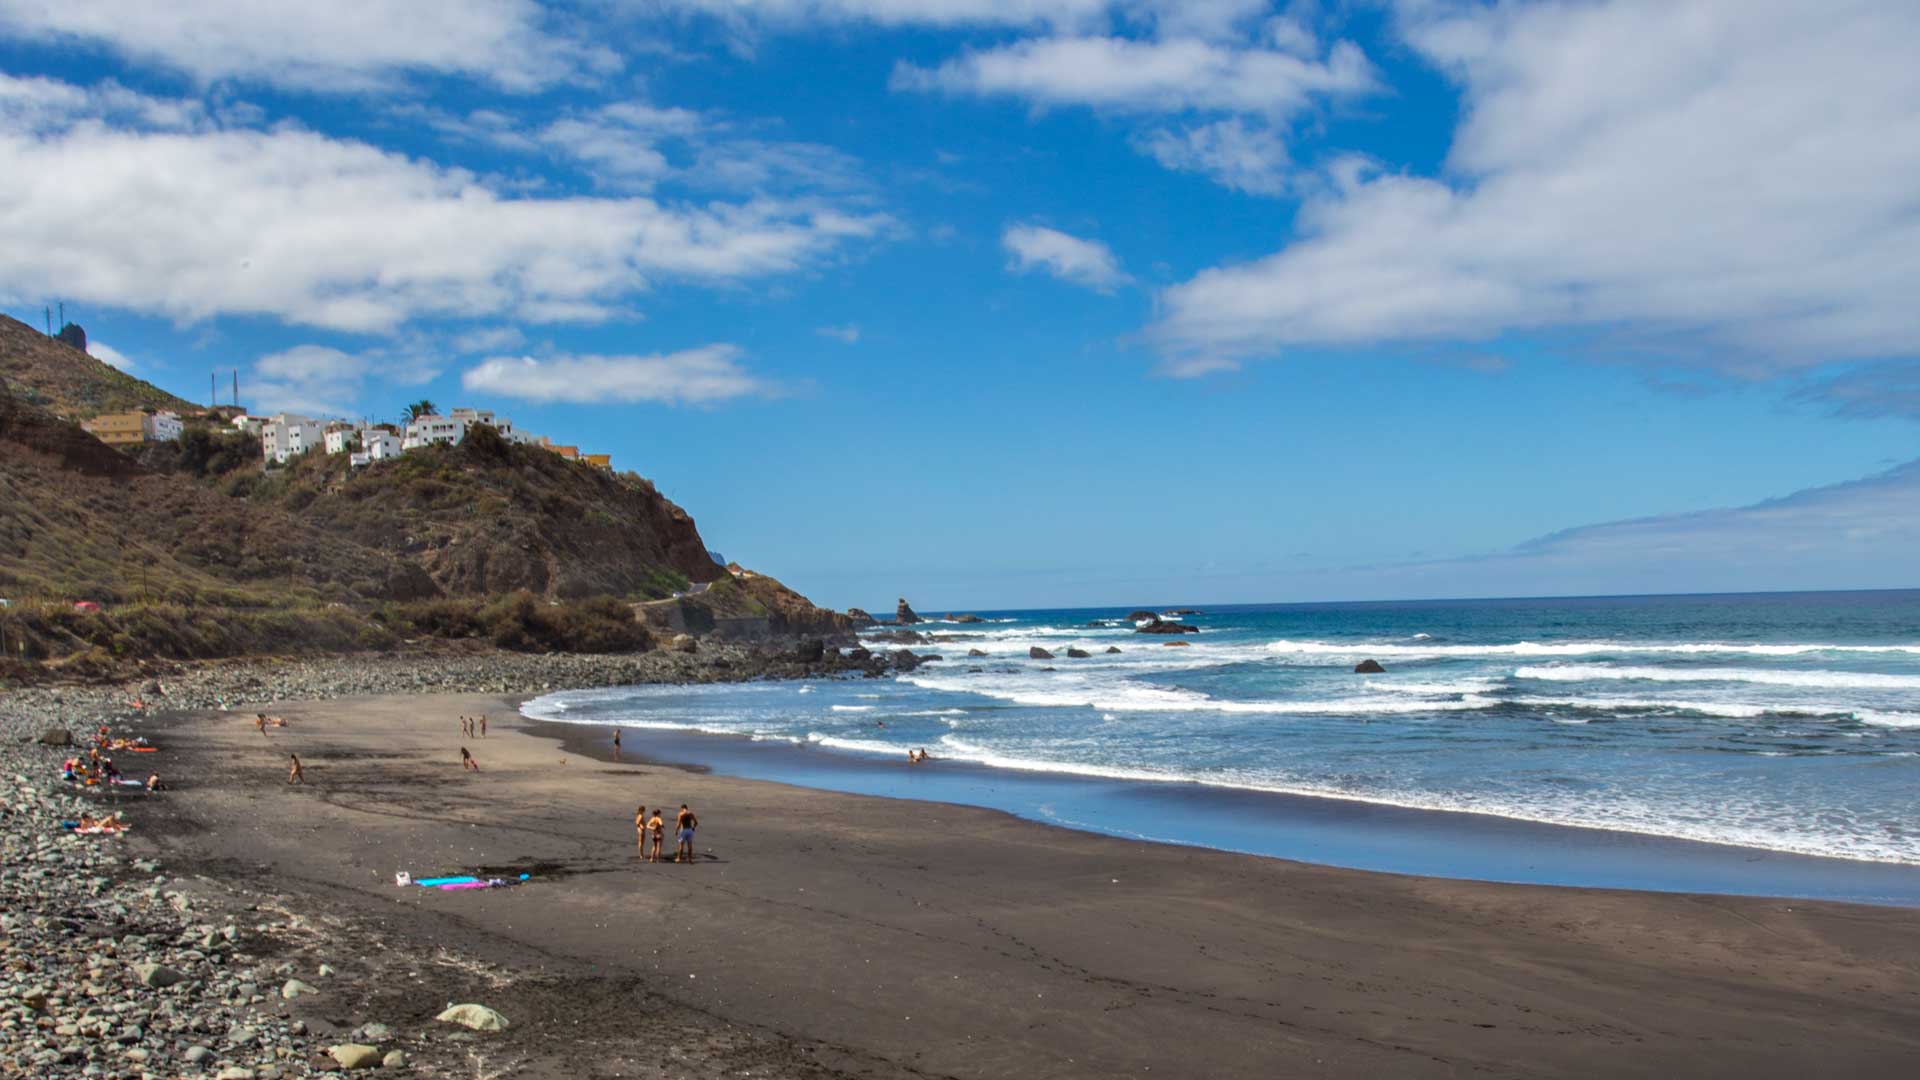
[640, 826]
[658, 828]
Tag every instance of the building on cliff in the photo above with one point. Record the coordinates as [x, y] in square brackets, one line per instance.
[134, 427]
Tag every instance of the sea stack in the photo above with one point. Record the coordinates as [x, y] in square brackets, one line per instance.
[904, 614]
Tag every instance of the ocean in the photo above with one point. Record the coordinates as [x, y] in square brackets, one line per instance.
[1504, 739]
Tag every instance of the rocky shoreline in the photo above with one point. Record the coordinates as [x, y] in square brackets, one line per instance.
[111, 967]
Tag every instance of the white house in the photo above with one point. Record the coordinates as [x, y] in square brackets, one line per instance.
[163, 426]
[428, 430]
[249, 424]
[285, 436]
[379, 444]
[340, 439]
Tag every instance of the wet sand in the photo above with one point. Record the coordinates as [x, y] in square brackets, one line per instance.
[853, 935]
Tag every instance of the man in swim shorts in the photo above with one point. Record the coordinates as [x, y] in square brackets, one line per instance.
[684, 823]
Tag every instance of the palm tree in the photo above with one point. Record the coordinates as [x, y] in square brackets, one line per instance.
[420, 408]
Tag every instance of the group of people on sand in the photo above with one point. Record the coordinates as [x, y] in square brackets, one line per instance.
[472, 727]
[918, 757]
[654, 828]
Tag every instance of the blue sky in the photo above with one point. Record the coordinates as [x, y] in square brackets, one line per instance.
[1000, 303]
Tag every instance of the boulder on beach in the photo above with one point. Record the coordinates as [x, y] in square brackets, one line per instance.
[1078, 654]
[1369, 667]
[682, 643]
[356, 1055]
[477, 1017]
[56, 736]
[156, 976]
[903, 614]
[1038, 653]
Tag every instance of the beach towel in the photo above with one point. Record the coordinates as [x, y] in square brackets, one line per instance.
[435, 882]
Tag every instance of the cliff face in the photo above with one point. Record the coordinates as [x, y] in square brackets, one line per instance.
[487, 517]
[744, 605]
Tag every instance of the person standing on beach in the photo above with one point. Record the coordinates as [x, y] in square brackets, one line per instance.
[296, 774]
[467, 762]
[640, 826]
[684, 823]
[483, 725]
[616, 744]
[658, 828]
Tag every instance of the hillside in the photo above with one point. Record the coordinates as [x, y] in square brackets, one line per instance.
[488, 517]
[194, 550]
[69, 383]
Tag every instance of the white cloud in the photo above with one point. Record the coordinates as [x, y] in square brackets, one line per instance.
[109, 355]
[903, 12]
[1727, 185]
[1138, 75]
[328, 232]
[1069, 258]
[1858, 534]
[1246, 157]
[489, 339]
[848, 334]
[319, 380]
[336, 45]
[703, 376]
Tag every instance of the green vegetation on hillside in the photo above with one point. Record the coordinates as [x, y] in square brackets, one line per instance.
[69, 383]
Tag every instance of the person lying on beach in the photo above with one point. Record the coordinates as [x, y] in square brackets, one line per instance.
[154, 783]
[658, 828]
[467, 762]
[684, 823]
[295, 774]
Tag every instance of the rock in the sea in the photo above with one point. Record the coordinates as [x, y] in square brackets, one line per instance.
[477, 1017]
[902, 637]
[859, 618]
[1177, 644]
[976, 652]
[1369, 667]
[1142, 616]
[905, 660]
[809, 651]
[1158, 626]
[968, 619]
[1078, 654]
[903, 614]
[56, 736]
[1113, 648]
[356, 1055]
[1038, 653]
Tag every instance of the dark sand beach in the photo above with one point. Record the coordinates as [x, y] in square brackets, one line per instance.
[824, 934]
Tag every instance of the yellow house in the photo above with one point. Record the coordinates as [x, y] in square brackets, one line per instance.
[603, 461]
[118, 429]
[568, 452]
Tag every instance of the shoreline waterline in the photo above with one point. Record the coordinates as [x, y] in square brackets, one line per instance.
[1325, 830]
